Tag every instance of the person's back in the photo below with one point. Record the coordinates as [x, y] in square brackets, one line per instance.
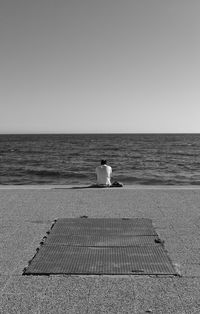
[104, 174]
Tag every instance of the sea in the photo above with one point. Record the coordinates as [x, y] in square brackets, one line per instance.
[71, 159]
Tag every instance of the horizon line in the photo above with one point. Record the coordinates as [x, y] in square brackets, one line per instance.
[95, 133]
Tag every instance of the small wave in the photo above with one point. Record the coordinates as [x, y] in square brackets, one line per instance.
[51, 173]
[148, 180]
[55, 173]
[183, 154]
[154, 181]
[195, 183]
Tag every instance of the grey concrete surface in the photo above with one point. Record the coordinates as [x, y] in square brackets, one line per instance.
[26, 215]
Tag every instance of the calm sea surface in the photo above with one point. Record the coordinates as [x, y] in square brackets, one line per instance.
[72, 158]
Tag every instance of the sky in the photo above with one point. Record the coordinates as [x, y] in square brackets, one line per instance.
[99, 66]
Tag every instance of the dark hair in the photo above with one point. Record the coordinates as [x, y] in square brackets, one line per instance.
[103, 162]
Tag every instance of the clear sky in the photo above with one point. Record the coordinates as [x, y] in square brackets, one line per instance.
[99, 66]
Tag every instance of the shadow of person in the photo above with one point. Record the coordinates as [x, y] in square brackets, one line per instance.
[92, 186]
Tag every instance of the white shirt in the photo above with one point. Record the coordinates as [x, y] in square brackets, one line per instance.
[103, 174]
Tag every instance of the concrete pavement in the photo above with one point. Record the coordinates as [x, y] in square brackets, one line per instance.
[26, 215]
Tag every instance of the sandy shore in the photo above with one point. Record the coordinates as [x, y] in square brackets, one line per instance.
[27, 213]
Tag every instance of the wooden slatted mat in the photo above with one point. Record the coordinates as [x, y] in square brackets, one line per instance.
[101, 246]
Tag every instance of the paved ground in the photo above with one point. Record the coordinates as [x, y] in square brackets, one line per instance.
[26, 215]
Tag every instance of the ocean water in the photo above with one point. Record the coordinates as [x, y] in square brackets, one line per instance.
[152, 159]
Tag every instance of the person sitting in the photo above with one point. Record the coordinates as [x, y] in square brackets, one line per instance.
[104, 173]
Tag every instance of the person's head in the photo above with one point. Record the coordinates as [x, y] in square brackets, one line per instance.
[103, 162]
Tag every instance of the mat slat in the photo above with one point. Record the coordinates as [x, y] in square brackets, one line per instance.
[106, 221]
[53, 259]
[100, 240]
[104, 226]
